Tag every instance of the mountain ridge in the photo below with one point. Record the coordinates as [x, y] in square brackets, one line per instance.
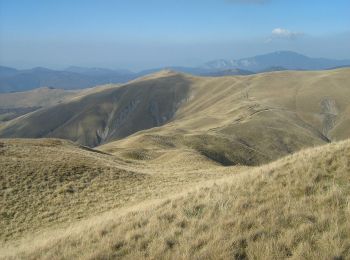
[231, 120]
[286, 59]
[74, 77]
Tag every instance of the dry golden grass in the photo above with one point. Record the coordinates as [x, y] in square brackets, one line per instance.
[297, 207]
[45, 97]
[14, 105]
[249, 120]
[163, 193]
[41, 97]
[47, 182]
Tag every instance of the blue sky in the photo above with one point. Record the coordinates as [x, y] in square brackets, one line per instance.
[139, 34]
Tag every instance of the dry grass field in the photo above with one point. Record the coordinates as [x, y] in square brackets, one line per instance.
[49, 181]
[183, 167]
[297, 207]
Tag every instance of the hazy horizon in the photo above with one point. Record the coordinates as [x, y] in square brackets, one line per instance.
[138, 35]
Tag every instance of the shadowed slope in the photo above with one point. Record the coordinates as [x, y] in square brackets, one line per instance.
[106, 115]
[295, 207]
[13, 105]
[247, 120]
[254, 119]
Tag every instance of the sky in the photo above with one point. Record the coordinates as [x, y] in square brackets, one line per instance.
[142, 34]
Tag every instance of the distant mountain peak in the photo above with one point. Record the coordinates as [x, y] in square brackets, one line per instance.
[75, 77]
[279, 59]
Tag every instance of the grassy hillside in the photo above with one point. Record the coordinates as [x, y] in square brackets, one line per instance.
[41, 97]
[13, 105]
[155, 186]
[110, 114]
[251, 120]
[296, 207]
[247, 120]
[47, 182]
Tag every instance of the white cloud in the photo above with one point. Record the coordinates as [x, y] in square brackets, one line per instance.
[282, 33]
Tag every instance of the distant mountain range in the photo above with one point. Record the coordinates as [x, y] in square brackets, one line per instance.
[13, 80]
[286, 60]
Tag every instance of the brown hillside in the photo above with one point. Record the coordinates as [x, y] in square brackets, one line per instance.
[247, 120]
[297, 208]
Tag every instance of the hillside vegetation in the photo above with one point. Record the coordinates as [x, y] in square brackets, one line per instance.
[13, 105]
[251, 120]
[99, 117]
[246, 120]
[173, 166]
[50, 181]
[297, 207]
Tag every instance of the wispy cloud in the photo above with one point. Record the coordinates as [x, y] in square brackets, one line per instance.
[281, 33]
[284, 33]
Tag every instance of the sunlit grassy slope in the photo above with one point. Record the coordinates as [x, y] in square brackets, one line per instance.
[251, 120]
[49, 181]
[246, 120]
[296, 207]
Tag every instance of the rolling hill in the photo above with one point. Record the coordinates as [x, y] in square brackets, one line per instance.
[52, 181]
[246, 120]
[99, 117]
[296, 207]
[13, 105]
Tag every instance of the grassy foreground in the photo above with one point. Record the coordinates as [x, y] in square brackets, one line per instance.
[50, 182]
[296, 207]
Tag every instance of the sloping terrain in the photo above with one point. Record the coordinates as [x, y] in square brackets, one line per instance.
[251, 120]
[41, 97]
[110, 114]
[155, 186]
[297, 207]
[247, 120]
[13, 105]
[45, 182]
[41, 180]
